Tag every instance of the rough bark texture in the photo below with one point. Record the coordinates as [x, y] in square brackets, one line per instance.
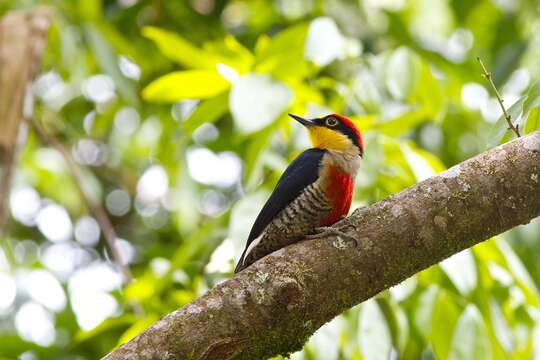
[22, 38]
[273, 306]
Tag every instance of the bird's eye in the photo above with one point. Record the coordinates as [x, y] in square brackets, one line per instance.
[331, 121]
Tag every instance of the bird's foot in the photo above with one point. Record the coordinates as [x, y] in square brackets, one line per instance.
[346, 225]
[327, 231]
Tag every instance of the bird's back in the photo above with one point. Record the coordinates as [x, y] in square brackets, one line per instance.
[314, 191]
[297, 219]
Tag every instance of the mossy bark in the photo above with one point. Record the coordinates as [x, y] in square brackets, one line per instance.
[274, 305]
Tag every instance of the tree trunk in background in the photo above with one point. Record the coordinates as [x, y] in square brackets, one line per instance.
[273, 306]
[22, 39]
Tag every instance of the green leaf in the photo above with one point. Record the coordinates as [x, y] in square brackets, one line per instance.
[124, 45]
[373, 335]
[402, 123]
[520, 273]
[444, 318]
[536, 341]
[254, 161]
[227, 51]
[181, 85]
[283, 55]
[205, 238]
[108, 62]
[500, 326]
[422, 163]
[141, 289]
[498, 131]
[461, 270]
[108, 326]
[533, 121]
[396, 321]
[230, 52]
[137, 328]
[207, 111]
[13, 346]
[179, 49]
[283, 42]
[423, 311]
[470, 340]
[428, 92]
[531, 109]
[533, 97]
[90, 9]
[527, 106]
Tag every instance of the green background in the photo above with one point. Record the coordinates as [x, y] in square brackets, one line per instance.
[175, 112]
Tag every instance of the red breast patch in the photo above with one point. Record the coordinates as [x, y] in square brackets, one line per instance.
[339, 191]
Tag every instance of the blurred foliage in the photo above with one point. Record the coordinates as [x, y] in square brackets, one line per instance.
[176, 112]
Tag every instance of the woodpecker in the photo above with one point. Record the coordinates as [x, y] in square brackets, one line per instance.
[313, 193]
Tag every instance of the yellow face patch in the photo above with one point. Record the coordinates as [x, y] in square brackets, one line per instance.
[324, 138]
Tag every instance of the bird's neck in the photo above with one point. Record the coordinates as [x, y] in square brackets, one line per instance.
[347, 162]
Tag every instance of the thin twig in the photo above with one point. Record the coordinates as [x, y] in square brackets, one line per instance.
[487, 75]
[95, 208]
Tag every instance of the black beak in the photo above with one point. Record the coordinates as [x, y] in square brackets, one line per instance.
[301, 120]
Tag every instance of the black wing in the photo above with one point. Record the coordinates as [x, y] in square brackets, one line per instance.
[302, 172]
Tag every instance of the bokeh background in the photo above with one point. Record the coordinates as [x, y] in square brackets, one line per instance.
[174, 114]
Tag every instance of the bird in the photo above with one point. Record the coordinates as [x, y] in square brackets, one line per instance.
[313, 193]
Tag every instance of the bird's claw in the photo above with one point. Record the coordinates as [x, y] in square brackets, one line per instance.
[349, 226]
[324, 232]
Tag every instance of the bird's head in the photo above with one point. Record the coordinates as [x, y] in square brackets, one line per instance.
[333, 132]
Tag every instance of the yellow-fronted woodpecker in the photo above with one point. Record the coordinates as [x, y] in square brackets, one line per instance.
[314, 192]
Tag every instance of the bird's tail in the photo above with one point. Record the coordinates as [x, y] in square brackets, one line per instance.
[240, 266]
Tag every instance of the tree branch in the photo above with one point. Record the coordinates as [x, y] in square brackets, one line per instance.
[274, 305]
[22, 39]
